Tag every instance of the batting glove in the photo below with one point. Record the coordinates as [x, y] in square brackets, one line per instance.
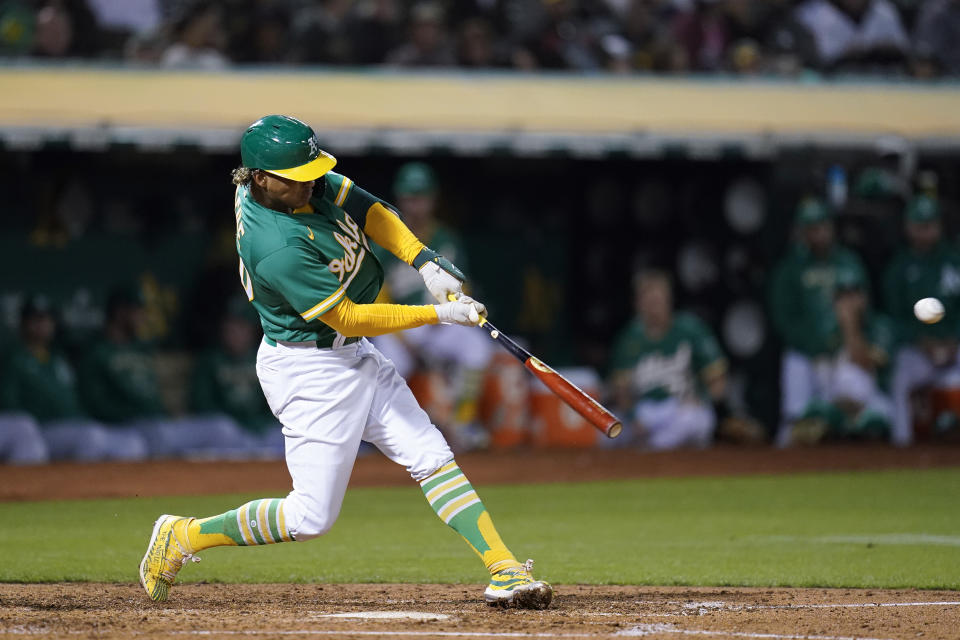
[464, 310]
[440, 275]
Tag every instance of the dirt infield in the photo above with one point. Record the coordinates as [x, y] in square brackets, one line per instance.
[444, 611]
[66, 481]
[308, 611]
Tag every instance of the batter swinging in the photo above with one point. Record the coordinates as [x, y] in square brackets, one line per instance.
[305, 263]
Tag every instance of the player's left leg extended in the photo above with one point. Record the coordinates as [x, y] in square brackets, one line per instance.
[175, 540]
[403, 432]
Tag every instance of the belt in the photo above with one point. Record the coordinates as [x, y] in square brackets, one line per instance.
[311, 344]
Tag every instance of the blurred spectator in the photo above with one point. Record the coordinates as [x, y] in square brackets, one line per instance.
[118, 385]
[646, 26]
[463, 349]
[17, 26]
[703, 33]
[199, 39]
[39, 381]
[427, 45]
[936, 38]
[857, 33]
[321, 32]
[927, 267]
[225, 381]
[65, 29]
[667, 371]
[566, 36]
[376, 30]
[132, 16]
[477, 48]
[821, 348]
[261, 35]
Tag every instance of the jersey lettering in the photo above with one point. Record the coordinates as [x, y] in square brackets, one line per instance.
[671, 372]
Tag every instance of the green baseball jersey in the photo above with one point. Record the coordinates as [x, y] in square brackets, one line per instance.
[802, 291]
[912, 276]
[42, 385]
[295, 267]
[405, 283]
[223, 383]
[118, 382]
[670, 366]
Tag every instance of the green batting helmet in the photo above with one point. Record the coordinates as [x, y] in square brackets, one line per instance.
[285, 147]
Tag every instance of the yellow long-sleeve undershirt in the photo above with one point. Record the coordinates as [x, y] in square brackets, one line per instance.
[388, 230]
[353, 320]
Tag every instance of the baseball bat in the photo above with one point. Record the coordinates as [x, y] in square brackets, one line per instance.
[580, 401]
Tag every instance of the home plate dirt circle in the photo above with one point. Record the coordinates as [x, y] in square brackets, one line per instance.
[388, 615]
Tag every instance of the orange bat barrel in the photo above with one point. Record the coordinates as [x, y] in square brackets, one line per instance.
[580, 401]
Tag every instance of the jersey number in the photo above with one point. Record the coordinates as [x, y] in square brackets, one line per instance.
[245, 280]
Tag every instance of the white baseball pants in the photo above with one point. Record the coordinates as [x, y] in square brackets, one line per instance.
[829, 378]
[670, 423]
[328, 400]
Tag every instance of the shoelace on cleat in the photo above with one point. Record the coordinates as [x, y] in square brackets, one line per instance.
[171, 574]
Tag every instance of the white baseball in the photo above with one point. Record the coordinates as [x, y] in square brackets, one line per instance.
[929, 310]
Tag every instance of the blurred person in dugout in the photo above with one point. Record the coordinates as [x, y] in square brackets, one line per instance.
[119, 386]
[225, 383]
[926, 267]
[39, 382]
[836, 348]
[464, 351]
[668, 371]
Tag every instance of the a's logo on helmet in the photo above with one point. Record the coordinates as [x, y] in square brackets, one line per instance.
[314, 146]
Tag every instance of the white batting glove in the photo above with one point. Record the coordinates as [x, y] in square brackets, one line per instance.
[464, 310]
[439, 282]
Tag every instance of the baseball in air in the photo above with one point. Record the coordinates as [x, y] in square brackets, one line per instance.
[929, 310]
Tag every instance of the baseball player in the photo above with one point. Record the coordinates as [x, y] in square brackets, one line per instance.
[303, 235]
[667, 370]
[802, 305]
[926, 267]
[39, 381]
[469, 352]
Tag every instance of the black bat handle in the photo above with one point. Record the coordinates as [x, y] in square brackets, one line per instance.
[519, 352]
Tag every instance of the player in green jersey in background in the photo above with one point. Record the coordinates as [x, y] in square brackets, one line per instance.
[464, 352]
[224, 382]
[827, 357]
[39, 381]
[667, 370]
[304, 238]
[927, 267]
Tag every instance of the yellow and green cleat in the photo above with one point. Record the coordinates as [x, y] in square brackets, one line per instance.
[164, 558]
[516, 587]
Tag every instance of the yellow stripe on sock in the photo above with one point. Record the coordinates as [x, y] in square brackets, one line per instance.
[454, 507]
[242, 518]
[450, 466]
[263, 523]
[442, 489]
[282, 525]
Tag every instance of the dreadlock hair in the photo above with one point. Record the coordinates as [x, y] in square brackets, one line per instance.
[242, 176]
